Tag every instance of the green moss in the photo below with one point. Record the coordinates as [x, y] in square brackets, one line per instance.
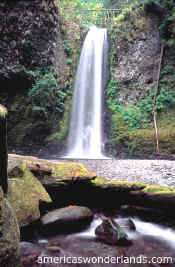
[102, 182]
[141, 141]
[70, 170]
[127, 184]
[119, 131]
[3, 111]
[24, 195]
[130, 24]
[60, 133]
[99, 180]
[159, 189]
[9, 234]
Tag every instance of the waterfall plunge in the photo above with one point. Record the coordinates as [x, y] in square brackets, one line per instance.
[85, 137]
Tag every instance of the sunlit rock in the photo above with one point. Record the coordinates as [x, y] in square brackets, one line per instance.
[67, 219]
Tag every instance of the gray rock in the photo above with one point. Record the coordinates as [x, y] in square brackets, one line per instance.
[67, 219]
[138, 57]
[110, 232]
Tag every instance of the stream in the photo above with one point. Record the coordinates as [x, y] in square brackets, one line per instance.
[150, 245]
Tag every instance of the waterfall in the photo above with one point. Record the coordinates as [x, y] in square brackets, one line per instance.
[85, 138]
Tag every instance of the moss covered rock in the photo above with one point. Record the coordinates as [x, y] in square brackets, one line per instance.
[139, 194]
[9, 235]
[25, 192]
[71, 171]
[54, 173]
[103, 183]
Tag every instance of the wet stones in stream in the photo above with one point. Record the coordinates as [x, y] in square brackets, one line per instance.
[111, 233]
[74, 248]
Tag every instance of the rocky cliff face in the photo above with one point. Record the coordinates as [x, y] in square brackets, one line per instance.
[138, 52]
[135, 57]
[29, 35]
[31, 39]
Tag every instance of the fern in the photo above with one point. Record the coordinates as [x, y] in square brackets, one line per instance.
[45, 95]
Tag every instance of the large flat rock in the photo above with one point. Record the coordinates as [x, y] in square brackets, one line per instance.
[67, 219]
[55, 173]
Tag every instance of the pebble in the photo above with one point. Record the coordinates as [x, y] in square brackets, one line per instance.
[158, 172]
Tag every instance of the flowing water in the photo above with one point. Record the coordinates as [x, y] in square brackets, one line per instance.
[142, 228]
[148, 241]
[85, 138]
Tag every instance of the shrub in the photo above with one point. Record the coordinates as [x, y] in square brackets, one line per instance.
[45, 95]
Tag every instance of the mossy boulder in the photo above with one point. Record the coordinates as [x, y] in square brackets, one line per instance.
[25, 192]
[9, 235]
[54, 173]
[71, 171]
[103, 183]
[110, 232]
[156, 189]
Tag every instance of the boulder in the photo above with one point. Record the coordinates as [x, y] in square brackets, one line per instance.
[9, 235]
[25, 192]
[71, 218]
[110, 232]
[54, 173]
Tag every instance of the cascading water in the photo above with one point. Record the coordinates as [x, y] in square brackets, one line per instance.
[165, 234]
[85, 133]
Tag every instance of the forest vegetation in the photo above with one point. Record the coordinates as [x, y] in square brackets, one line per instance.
[131, 123]
[136, 127]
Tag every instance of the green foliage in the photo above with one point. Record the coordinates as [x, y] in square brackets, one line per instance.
[67, 47]
[46, 97]
[165, 9]
[64, 125]
[168, 69]
[118, 129]
[88, 13]
[136, 116]
[165, 99]
[60, 133]
[82, 12]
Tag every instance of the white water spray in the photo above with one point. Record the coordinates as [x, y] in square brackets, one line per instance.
[142, 228]
[85, 132]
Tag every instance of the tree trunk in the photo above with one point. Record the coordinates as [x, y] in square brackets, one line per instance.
[154, 101]
[3, 149]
